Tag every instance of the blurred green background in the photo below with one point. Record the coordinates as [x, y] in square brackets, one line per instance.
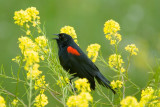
[139, 21]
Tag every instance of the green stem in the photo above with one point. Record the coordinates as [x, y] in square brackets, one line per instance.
[116, 49]
[53, 95]
[120, 73]
[30, 90]
[101, 59]
[9, 93]
[8, 77]
[19, 69]
[126, 73]
[40, 29]
[130, 81]
[105, 95]
[123, 87]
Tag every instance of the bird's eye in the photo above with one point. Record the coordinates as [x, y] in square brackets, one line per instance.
[64, 38]
[61, 36]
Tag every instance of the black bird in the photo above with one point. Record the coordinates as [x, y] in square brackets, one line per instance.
[74, 60]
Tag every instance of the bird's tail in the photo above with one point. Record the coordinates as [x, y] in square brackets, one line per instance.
[103, 81]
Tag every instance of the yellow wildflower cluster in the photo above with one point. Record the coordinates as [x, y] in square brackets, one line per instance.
[110, 30]
[33, 50]
[41, 41]
[82, 85]
[116, 61]
[93, 51]
[26, 43]
[83, 98]
[14, 102]
[129, 101]
[148, 95]
[111, 26]
[40, 83]
[25, 16]
[149, 98]
[62, 81]
[116, 84]
[80, 100]
[32, 54]
[132, 49]
[41, 100]
[2, 102]
[70, 31]
[33, 72]
[17, 59]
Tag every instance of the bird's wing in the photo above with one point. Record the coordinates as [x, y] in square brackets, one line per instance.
[83, 68]
[76, 55]
[85, 65]
[89, 68]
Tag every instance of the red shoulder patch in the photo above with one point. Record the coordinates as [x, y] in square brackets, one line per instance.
[73, 51]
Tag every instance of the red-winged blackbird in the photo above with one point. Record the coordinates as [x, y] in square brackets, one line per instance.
[74, 60]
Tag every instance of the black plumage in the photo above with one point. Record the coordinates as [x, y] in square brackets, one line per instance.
[74, 60]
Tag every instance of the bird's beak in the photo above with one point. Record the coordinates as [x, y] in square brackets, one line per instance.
[56, 38]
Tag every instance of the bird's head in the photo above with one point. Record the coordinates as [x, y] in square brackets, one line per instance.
[63, 39]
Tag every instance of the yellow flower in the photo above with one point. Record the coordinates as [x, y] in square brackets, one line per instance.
[40, 83]
[2, 102]
[146, 95]
[118, 37]
[33, 12]
[28, 32]
[109, 37]
[17, 59]
[132, 49]
[31, 57]
[41, 100]
[21, 17]
[39, 29]
[41, 47]
[14, 102]
[24, 16]
[82, 85]
[129, 101]
[115, 61]
[110, 30]
[33, 72]
[32, 54]
[148, 92]
[26, 43]
[114, 38]
[42, 57]
[122, 69]
[42, 41]
[70, 31]
[117, 84]
[93, 51]
[112, 42]
[62, 81]
[111, 26]
[81, 100]
[27, 25]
